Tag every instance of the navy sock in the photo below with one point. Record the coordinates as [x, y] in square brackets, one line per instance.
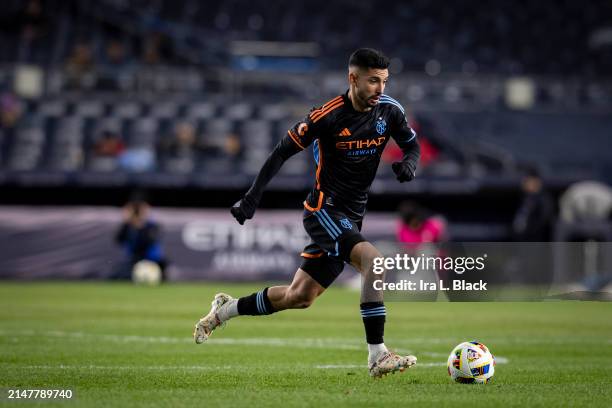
[255, 304]
[373, 315]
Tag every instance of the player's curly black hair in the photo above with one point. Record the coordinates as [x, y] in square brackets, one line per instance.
[368, 58]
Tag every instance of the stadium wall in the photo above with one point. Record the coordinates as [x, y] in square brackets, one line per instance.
[75, 243]
[78, 243]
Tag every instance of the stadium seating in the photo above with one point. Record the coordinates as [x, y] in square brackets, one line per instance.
[59, 134]
[169, 68]
[545, 37]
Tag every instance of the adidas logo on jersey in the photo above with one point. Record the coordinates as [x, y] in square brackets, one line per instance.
[344, 132]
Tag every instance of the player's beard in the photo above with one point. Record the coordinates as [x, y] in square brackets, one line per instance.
[368, 100]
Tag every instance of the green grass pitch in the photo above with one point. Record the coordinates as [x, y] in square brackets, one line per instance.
[121, 345]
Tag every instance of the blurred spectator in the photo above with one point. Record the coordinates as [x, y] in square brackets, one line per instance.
[417, 227]
[108, 145]
[106, 149]
[392, 152]
[586, 216]
[117, 63]
[232, 146]
[586, 201]
[182, 143]
[140, 237]
[179, 151]
[422, 233]
[157, 49]
[139, 155]
[116, 54]
[81, 59]
[31, 25]
[439, 155]
[137, 159]
[80, 66]
[585, 213]
[534, 218]
[32, 21]
[229, 146]
[429, 153]
[11, 110]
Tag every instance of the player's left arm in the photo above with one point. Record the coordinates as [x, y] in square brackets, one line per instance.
[406, 139]
[245, 208]
[297, 138]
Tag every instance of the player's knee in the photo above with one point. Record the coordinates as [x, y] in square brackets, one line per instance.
[363, 255]
[301, 299]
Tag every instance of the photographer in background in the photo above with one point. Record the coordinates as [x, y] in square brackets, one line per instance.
[140, 237]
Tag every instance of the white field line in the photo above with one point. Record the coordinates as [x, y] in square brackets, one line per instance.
[352, 344]
[329, 343]
[336, 343]
[498, 360]
[134, 367]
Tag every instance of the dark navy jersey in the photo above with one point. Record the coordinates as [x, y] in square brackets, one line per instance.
[347, 146]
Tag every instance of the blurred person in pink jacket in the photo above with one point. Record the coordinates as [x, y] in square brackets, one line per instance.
[417, 226]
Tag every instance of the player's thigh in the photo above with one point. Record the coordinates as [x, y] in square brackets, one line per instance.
[363, 254]
[321, 267]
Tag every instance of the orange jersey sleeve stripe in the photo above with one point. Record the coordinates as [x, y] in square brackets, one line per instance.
[319, 166]
[320, 115]
[311, 256]
[328, 103]
[295, 139]
[324, 107]
[323, 112]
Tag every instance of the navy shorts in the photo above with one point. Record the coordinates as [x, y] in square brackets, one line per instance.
[333, 235]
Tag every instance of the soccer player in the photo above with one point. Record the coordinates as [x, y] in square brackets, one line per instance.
[348, 134]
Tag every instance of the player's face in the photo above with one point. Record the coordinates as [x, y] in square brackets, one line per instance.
[370, 85]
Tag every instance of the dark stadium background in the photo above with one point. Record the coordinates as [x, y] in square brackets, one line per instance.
[493, 89]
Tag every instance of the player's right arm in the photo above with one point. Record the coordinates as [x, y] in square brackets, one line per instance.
[406, 139]
[297, 139]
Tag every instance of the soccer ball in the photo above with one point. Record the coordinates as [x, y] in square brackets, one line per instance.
[146, 273]
[471, 362]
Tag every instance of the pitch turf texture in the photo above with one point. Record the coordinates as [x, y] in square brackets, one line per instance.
[121, 345]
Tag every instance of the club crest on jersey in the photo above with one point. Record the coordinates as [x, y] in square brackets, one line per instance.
[346, 224]
[381, 126]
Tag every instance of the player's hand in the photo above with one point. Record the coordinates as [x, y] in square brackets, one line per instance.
[244, 209]
[403, 171]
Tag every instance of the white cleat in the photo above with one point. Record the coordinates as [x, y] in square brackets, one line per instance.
[205, 326]
[389, 362]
